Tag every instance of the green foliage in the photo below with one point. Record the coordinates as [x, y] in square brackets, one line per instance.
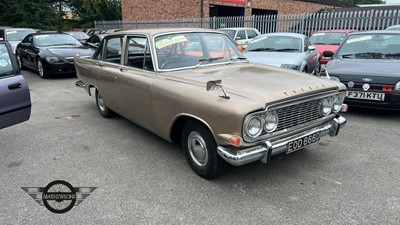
[50, 14]
[362, 2]
[27, 13]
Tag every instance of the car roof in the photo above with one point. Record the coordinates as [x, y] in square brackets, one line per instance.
[283, 34]
[336, 31]
[158, 31]
[377, 32]
[237, 28]
[13, 28]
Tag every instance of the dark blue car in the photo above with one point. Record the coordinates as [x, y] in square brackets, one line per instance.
[368, 63]
[15, 100]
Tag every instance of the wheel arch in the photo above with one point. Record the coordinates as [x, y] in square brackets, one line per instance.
[178, 123]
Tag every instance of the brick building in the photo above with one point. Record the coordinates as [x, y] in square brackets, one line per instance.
[177, 9]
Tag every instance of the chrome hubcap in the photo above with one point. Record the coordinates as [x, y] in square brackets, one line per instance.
[197, 148]
[40, 68]
[100, 102]
[19, 61]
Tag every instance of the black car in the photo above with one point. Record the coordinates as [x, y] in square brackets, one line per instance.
[15, 100]
[50, 53]
[368, 63]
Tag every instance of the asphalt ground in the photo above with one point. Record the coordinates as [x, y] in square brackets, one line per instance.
[353, 178]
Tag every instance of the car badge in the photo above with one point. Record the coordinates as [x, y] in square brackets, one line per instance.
[350, 84]
[77, 55]
[367, 79]
[366, 87]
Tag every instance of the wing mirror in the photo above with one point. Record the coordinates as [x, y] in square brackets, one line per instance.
[328, 54]
[217, 84]
[311, 48]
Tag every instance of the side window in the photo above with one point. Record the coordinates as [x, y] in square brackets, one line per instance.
[6, 68]
[2, 34]
[241, 35]
[113, 48]
[138, 54]
[251, 34]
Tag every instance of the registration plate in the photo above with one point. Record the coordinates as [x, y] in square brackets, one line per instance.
[302, 142]
[366, 95]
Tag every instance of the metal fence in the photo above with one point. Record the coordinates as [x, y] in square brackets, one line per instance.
[374, 19]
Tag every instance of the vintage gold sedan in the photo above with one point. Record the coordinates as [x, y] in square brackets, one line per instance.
[193, 86]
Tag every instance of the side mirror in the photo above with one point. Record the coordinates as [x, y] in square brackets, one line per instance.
[328, 54]
[212, 85]
[237, 38]
[311, 48]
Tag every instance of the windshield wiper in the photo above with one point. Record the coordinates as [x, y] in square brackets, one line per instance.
[347, 55]
[202, 61]
[261, 49]
[393, 55]
[64, 44]
[237, 58]
[287, 49]
[373, 55]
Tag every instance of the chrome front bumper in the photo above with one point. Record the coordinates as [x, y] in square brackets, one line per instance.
[265, 151]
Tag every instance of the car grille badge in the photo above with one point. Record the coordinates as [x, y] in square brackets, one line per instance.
[366, 87]
[367, 79]
[350, 84]
[77, 55]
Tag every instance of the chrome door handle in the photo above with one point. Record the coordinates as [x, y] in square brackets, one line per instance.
[122, 68]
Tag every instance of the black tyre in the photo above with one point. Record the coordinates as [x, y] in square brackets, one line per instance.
[19, 60]
[101, 106]
[42, 72]
[201, 150]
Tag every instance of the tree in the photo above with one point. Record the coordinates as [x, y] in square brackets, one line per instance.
[88, 11]
[27, 13]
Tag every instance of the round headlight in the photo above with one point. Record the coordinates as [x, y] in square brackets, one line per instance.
[271, 122]
[337, 104]
[254, 126]
[326, 106]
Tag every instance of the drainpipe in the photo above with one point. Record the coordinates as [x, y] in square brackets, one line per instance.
[201, 12]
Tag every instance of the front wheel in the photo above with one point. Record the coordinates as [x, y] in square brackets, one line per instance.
[201, 150]
[19, 60]
[101, 106]
[42, 72]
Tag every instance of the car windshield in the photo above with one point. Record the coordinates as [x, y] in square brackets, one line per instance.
[371, 46]
[5, 61]
[55, 39]
[191, 50]
[79, 35]
[327, 38]
[275, 43]
[17, 35]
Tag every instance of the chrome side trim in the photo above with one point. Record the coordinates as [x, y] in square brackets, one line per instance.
[265, 151]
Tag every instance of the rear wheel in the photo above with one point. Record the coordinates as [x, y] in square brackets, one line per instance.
[101, 106]
[19, 60]
[42, 72]
[201, 150]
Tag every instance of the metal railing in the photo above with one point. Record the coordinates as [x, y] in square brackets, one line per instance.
[374, 19]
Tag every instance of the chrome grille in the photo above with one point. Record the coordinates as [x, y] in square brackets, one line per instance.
[294, 115]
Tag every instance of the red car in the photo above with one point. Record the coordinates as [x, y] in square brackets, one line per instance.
[328, 40]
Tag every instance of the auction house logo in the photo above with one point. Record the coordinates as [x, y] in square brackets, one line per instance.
[59, 196]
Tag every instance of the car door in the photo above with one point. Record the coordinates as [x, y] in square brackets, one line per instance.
[15, 100]
[26, 52]
[134, 81]
[106, 67]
